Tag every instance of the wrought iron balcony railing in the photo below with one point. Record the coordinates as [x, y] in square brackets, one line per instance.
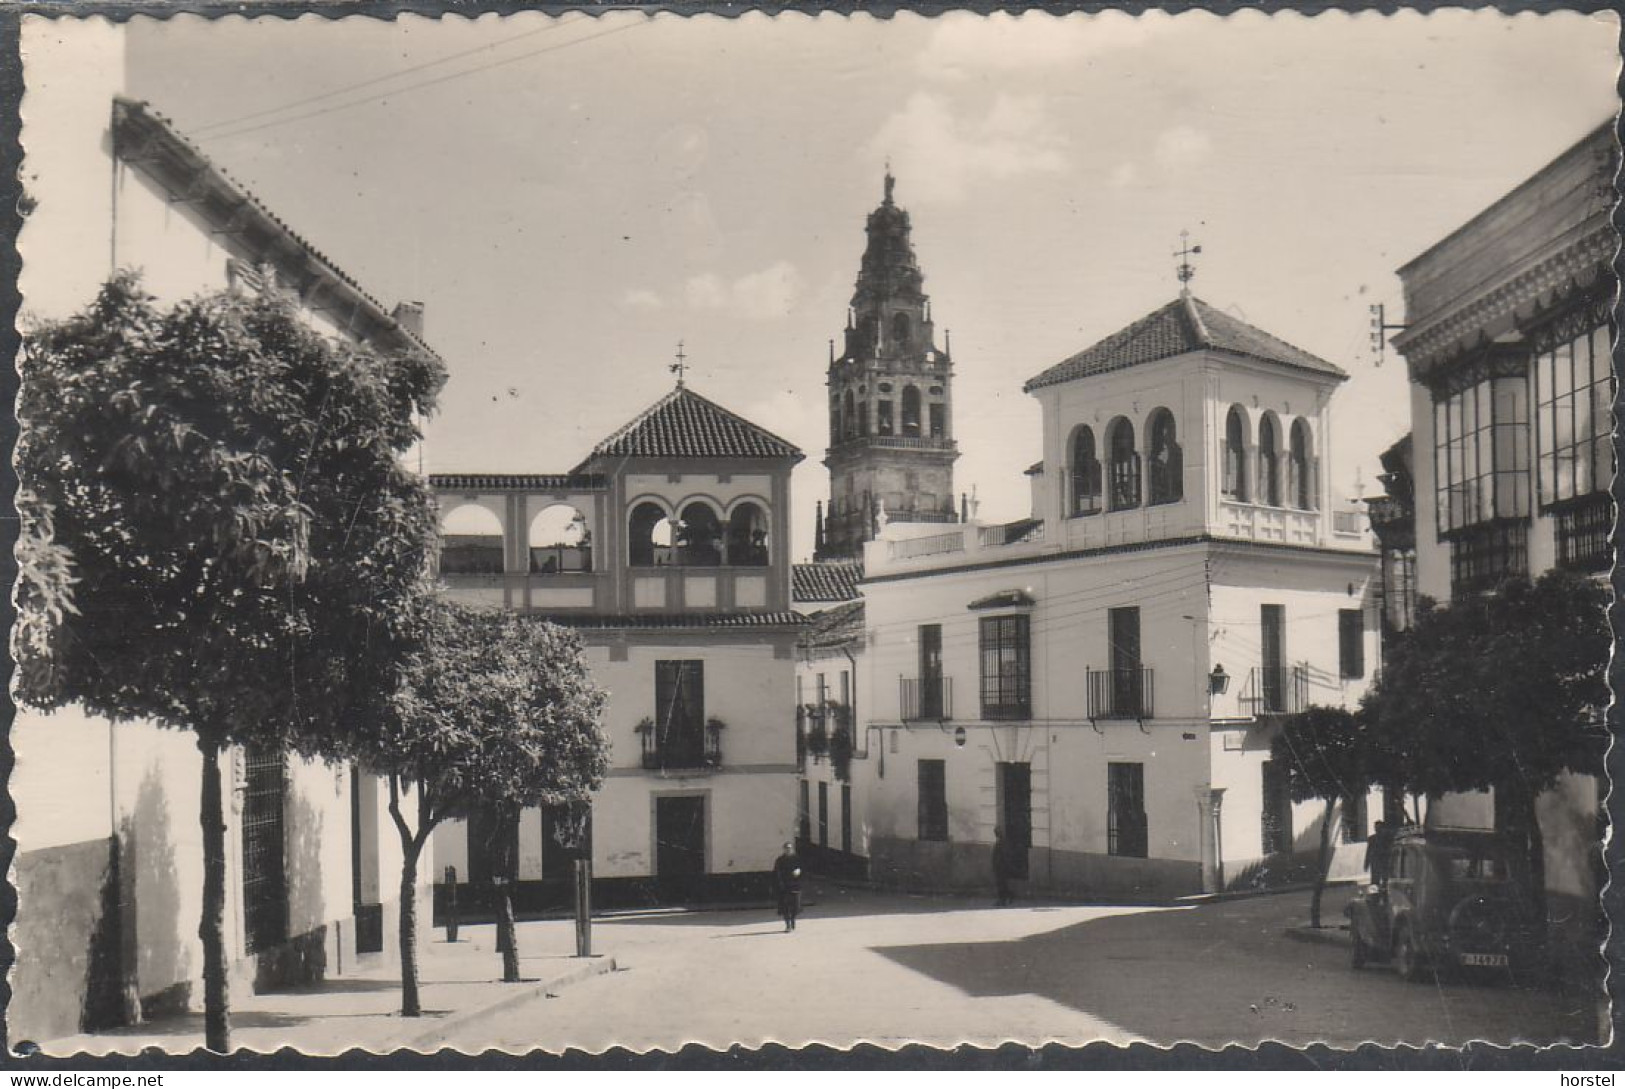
[1121, 693]
[925, 698]
[1277, 690]
[682, 749]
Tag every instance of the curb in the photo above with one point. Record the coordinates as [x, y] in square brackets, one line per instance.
[598, 966]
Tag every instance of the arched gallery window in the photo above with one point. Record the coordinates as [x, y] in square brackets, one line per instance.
[1302, 467]
[649, 536]
[1085, 473]
[1269, 461]
[698, 536]
[1235, 455]
[746, 542]
[560, 542]
[471, 542]
[1167, 460]
[911, 410]
[1124, 465]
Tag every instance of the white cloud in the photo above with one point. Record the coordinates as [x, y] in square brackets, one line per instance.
[1182, 146]
[765, 294]
[639, 298]
[939, 155]
[964, 44]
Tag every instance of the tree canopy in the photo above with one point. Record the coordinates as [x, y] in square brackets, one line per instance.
[1325, 753]
[219, 488]
[1504, 689]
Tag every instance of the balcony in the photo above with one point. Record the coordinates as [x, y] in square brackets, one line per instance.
[1125, 693]
[1276, 690]
[561, 560]
[925, 699]
[681, 748]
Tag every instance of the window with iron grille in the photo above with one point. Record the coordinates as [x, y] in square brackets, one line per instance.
[265, 873]
[1482, 556]
[1006, 663]
[933, 806]
[1351, 642]
[1127, 830]
[1582, 533]
[1355, 826]
[1276, 822]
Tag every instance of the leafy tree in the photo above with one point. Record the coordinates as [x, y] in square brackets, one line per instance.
[222, 487]
[496, 713]
[1501, 690]
[1324, 752]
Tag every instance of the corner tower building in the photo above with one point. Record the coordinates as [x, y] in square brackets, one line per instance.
[891, 445]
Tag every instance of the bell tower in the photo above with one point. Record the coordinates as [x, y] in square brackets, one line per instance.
[891, 445]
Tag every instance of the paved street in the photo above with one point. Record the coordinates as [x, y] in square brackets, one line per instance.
[891, 970]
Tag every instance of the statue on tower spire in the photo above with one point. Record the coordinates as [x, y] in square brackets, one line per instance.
[891, 182]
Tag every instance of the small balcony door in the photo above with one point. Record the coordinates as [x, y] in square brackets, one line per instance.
[1123, 630]
[1272, 640]
[930, 671]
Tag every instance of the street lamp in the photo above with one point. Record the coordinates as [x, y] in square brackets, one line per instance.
[1218, 681]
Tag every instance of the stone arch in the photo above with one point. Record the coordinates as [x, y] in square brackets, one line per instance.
[471, 536]
[746, 540]
[1083, 463]
[1269, 460]
[910, 410]
[1122, 464]
[1167, 458]
[1301, 473]
[1233, 455]
[560, 540]
[697, 539]
[902, 332]
[649, 534]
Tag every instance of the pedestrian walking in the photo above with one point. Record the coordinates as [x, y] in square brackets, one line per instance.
[787, 885]
[1003, 867]
[1378, 851]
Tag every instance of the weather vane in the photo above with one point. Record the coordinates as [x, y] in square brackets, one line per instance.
[1185, 253]
[678, 368]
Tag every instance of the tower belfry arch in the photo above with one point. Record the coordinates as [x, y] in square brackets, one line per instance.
[891, 442]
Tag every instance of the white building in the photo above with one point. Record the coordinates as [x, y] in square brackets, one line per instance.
[667, 550]
[1508, 343]
[108, 869]
[1101, 680]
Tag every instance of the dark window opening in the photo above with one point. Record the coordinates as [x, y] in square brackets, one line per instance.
[1351, 642]
[1484, 555]
[933, 801]
[1269, 463]
[1302, 465]
[1086, 498]
[883, 417]
[1127, 831]
[1167, 460]
[1235, 455]
[679, 721]
[939, 421]
[1006, 672]
[265, 868]
[1277, 816]
[1124, 465]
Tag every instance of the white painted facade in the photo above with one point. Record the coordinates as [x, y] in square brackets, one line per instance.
[101, 804]
[1199, 570]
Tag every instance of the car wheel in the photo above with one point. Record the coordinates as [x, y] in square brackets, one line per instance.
[1361, 954]
[1407, 960]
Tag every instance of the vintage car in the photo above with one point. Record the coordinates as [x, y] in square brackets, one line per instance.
[1449, 903]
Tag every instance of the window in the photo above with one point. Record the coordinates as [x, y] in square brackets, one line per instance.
[911, 410]
[1355, 827]
[846, 817]
[1125, 465]
[900, 330]
[939, 421]
[1399, 588]
[1167, 460]
[924, 699]
[649, 541]
[1005, 667]
[883, 418]
[1126, 826]
[698, 537]
[746, 542]
[1269, 462]
[1303, 468]
[1481, 556]
[1582, 533]
[1235, 455]
[1574, 396]
[823, 814]
[1481, 453]
[1351, 642]
[850, 416]
[933, 790]
[803, 814]
[863, 418]
[1272, 644]
[560, 542]
[1277, 816]
[265, 873]
[679, 739]
[1085, 474]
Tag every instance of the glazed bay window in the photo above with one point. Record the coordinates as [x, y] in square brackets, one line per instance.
[1481, 462]
[1006, 667]
[1574, 394]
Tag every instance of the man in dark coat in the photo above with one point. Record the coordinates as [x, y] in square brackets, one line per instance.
[787, 885]
[1003, 867]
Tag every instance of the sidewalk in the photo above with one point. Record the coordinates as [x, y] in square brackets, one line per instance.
[362, 1008]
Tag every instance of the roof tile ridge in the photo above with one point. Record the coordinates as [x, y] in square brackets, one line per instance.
[737, 418]
[1203, 336]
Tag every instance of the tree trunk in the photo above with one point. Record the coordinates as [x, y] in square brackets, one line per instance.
[1536, 845]
[410, 1005]
[212, 928]
[507, 939]
[1323, 863]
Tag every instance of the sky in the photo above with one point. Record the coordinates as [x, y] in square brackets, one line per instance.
[572, 196]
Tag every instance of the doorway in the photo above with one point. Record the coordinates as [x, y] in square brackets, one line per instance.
[680, 846]
[1015, 788]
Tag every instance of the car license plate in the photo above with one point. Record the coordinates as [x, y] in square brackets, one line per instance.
[1484, 960]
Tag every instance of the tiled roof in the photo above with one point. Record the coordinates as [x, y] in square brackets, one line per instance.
[517, 482]
[827, 580]
[677, 620]
[832, 627]
[683, 424]
[146, 138]
[1185, 325]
